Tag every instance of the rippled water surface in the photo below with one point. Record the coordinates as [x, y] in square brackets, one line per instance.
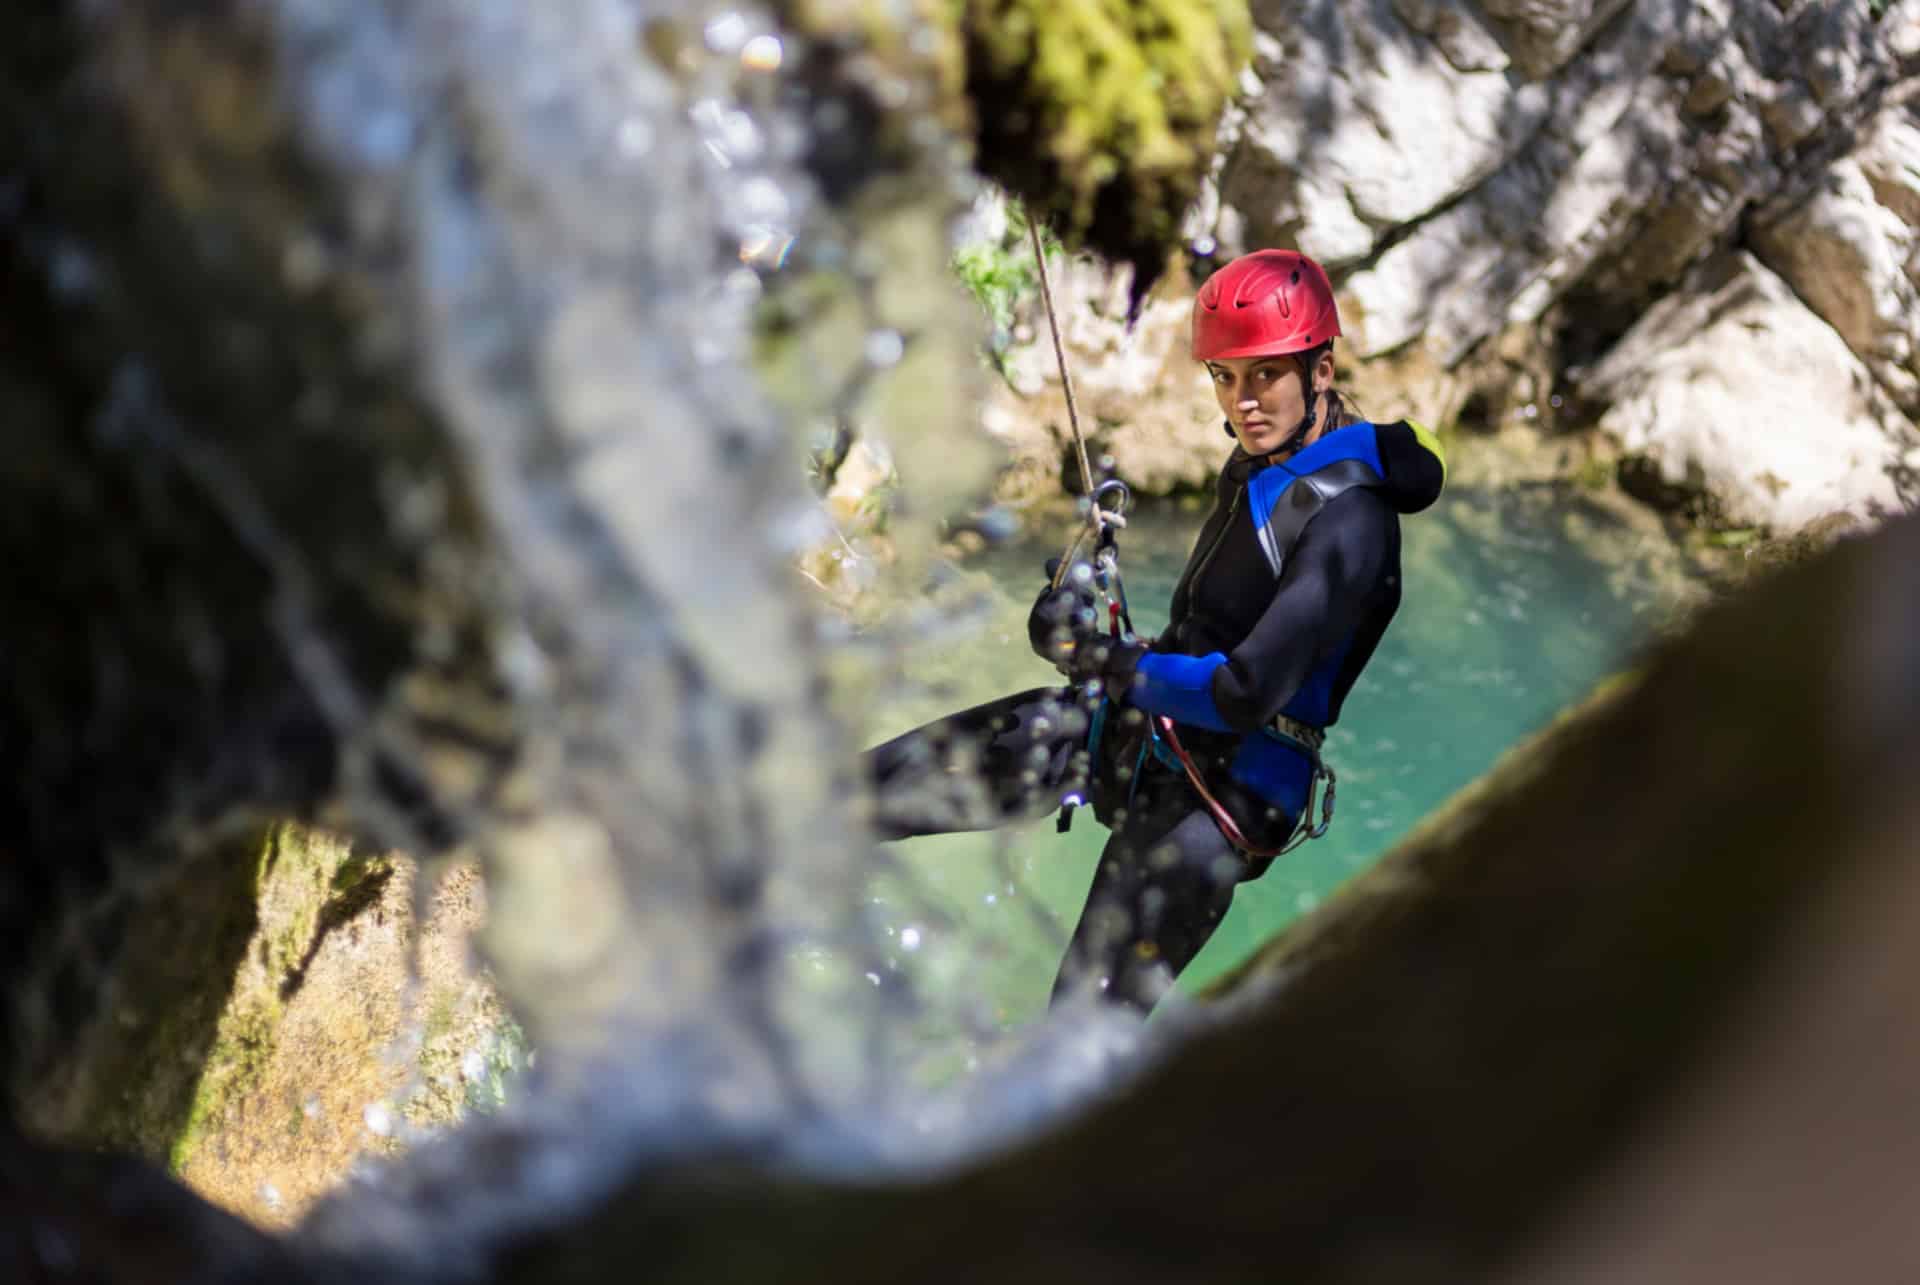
[1517, 603]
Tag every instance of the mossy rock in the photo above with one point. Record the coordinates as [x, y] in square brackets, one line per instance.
[1101, 115]
[131, 1080]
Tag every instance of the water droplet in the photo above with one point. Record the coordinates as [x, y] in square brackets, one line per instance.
[635, 137]
[731, 133]
[742, 285]
[885, 348]
[385, 137]
[726, 32]
[762, 53]
[761, 200]
[473, 1067]
[1204, 246]
[270, 1196]
[766, 246]
[379, 1120]
[999, 523]
[910, 938]
[893, 92]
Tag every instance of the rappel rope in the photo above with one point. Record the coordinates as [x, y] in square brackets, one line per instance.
[1099, 522]
[1102, 524]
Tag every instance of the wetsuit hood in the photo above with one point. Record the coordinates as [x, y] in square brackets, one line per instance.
[1412, 462]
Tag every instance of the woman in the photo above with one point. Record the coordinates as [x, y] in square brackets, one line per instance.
[1199, 747]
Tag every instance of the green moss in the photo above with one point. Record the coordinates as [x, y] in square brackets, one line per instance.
[1000, 274]
[357, 870]
[302, 879]
[440, 1018]
[236, 1062]
[1594, 475]
[129, 1083]
[1102, 114]
[507, 1057]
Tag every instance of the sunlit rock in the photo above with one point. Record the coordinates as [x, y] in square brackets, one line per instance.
[1143, 402]
[1849, 245]
[1733, 389]
[1362, 124]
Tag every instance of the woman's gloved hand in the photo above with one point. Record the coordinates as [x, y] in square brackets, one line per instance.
[1066, 628]
[1108, 660]
[1062, 617]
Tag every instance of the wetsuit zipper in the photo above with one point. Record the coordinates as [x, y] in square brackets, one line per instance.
[1206, 559]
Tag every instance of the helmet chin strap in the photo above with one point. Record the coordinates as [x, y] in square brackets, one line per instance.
[1305, 430]
[1306, 360]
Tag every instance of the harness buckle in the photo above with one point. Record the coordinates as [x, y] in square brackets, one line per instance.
[1293, 729]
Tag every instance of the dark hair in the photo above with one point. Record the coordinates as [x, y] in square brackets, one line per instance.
[1341, 410]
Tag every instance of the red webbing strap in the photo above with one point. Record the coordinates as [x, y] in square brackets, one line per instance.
[1228, 828]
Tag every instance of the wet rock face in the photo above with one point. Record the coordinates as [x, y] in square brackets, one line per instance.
[374, 394]
[203, 486]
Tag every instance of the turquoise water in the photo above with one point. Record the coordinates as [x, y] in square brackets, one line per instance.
[1516, 604]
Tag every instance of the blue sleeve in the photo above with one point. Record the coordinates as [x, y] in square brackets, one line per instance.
[1181, 687]
[1333, 572]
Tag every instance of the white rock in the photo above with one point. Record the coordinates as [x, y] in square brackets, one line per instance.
[1364, 123]
[1142, 398]
[1457, 31]
[1846, 248]
[1734, 384]
[1570, 196]
[1544, 34]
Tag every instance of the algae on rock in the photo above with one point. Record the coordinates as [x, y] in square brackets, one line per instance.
[1104, 113]
[348, 1025]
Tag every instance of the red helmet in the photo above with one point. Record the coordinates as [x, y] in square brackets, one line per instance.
[1264, 304]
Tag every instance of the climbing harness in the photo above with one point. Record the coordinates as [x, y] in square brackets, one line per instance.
[1321, 781]
[1102, 524]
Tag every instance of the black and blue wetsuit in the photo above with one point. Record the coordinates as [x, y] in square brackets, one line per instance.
[1290, 586]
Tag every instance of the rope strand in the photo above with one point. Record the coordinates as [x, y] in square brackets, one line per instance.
[1095, 517]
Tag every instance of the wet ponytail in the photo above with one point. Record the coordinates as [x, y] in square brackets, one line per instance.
[1340, 408]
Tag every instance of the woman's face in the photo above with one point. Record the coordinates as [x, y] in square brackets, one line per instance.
[1263, 399]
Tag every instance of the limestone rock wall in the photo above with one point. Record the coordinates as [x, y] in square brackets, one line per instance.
[1848, 241]
[1731, 388]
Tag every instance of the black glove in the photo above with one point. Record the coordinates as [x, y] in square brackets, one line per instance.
[1062, 617]
[1107, 659]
